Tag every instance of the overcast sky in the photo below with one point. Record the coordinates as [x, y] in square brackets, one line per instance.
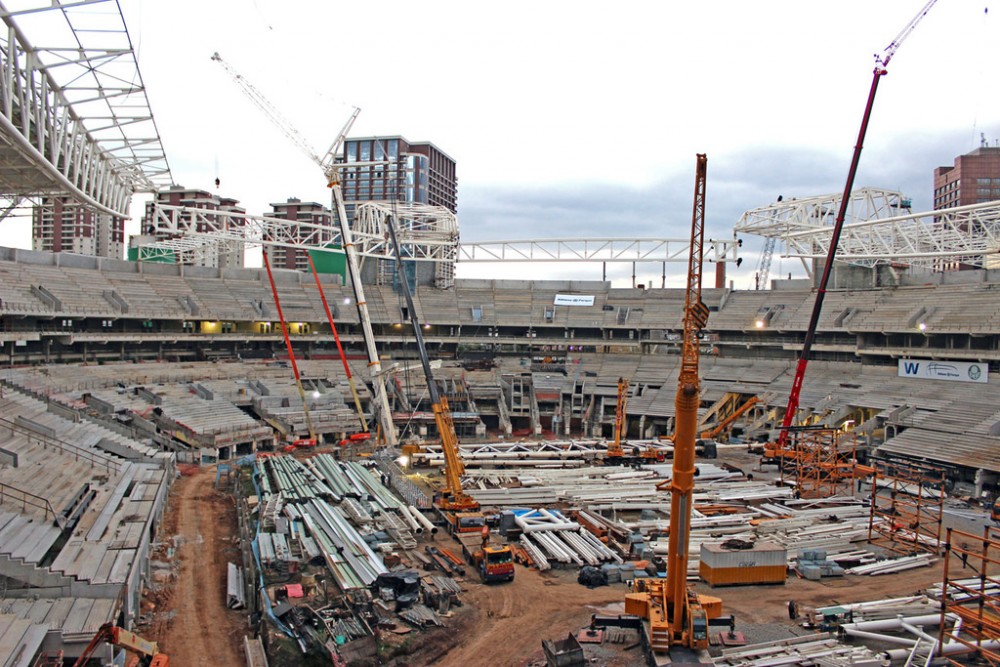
[576, 118]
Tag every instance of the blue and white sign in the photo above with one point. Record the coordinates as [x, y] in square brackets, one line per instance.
[954, 371]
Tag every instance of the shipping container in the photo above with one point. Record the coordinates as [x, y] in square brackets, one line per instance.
[736, 576]
[763, 563]
[761, 553]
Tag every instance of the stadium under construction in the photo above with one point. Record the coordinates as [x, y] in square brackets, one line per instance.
[378, 462]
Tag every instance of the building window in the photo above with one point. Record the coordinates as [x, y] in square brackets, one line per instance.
[982, 181]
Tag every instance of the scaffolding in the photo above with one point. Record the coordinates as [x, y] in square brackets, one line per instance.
[907, 504]
[973, 600]
[825, 461]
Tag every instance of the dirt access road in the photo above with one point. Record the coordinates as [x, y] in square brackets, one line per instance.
[503, 624]
[193, 625]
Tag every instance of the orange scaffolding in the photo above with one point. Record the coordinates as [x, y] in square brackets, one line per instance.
[907, 503]
[972, 599]
[824, 461]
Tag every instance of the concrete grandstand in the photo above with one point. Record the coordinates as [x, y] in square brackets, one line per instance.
[517, 359]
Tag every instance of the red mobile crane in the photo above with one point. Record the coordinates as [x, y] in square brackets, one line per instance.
[781, 449]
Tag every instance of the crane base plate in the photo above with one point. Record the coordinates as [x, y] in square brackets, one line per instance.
[732, 639]
[590, 636]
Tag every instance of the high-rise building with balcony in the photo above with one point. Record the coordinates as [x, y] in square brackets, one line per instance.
[296, 210]
[61, 224]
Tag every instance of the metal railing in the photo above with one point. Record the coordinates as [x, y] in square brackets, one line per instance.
[25, 499]
[78, 453]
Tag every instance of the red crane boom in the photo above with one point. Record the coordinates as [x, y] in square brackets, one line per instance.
[881, 62]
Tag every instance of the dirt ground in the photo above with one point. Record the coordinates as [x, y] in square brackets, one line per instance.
[191, 622]
[501, 624]
[504, 624]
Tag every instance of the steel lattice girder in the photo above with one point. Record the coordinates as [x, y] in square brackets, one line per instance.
[430, 233]
[810, 213]
[592, 250]
[967, 234]
[425, 232]
[74, 117]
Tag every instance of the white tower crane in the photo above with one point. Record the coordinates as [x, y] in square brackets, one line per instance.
[328, 163]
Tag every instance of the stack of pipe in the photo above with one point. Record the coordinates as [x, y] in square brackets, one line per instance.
[349, 558]
[807, 650]
[894, 565]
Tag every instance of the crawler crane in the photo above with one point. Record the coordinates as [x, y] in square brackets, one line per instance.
[678, 617]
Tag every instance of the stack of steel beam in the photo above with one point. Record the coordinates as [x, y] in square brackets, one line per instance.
[559, 538]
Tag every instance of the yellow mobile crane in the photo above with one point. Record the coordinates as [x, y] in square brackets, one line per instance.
[460, 510]
[615, 454]
[678, 617]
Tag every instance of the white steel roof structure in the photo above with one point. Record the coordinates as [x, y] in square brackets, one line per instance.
[429, 233]
[592, 250]
[879, 229]
[74, 115]
[966, 234]
[810, 213]
[426, 233]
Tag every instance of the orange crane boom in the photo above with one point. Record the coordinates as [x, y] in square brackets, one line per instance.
[681, 603]
[109, 633]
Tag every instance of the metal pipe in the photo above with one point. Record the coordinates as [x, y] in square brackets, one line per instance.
[419, 516]
[413, 523]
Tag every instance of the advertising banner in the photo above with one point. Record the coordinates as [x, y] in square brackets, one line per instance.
[954, 371]
[574, 300]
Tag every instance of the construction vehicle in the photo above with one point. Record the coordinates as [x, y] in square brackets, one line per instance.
[781, 448]
[459, 509]
[678, 617]
[301, 443]
[494, 563]
[995, 512]
[615, 454]
[146, 652]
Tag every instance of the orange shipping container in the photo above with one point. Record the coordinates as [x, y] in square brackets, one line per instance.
[735, 576]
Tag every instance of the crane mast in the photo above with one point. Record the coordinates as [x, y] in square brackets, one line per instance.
[681, 604]
[456, 499]
[881, 62]
[620, 425]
